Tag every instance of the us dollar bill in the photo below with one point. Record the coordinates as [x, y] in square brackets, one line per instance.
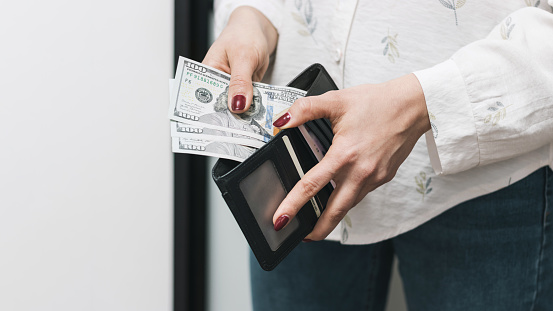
[211, 148]
[200, 98]
[183, 130]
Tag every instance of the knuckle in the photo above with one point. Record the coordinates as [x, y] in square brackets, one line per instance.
[332, 96]
[348, 155]
[337, 101]
[389, 176]
[260, 51]
[351, 154]
[216, 60]
[239, 82]
[335, 216]
[217, 65]
[304, 105]
[308, 188]
[258, 75]
[383, 176]
[245, 56]
[365, 171]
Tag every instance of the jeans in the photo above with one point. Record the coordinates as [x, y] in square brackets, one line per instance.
[494, 252]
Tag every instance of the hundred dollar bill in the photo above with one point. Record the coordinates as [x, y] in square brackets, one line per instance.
[200, 97]
[184, 130]
[211, 148]
[181, 129]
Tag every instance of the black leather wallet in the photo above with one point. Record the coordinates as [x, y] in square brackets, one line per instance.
[254, 189]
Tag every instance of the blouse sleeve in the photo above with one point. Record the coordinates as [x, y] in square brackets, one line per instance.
[272, 9]
[493, 100]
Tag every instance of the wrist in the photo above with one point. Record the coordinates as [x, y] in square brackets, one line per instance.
[408, 91]
[417, 96]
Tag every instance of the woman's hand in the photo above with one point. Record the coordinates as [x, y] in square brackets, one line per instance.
[375, 128]
[243, 50]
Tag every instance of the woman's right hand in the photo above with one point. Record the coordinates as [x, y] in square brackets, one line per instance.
[242, 50]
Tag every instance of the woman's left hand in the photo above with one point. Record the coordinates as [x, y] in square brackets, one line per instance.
[375, 128]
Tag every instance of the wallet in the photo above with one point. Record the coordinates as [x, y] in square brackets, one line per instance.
[254, 189]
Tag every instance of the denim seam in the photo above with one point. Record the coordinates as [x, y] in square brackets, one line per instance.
[543, 237]
[371, 280]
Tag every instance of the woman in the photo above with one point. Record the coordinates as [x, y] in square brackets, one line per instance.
[465, 208]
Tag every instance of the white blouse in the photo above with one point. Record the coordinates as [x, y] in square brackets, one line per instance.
[486, 69]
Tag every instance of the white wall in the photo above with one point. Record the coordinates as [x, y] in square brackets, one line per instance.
[85, 162]
[228, 257]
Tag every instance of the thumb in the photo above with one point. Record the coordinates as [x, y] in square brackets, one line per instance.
[240, 88]
[309, 108]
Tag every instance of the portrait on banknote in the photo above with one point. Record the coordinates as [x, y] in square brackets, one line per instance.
[247, 121]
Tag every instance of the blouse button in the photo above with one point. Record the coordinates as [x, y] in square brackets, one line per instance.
[337, 54]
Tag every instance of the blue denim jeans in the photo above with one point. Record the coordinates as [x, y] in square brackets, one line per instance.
[494, 252]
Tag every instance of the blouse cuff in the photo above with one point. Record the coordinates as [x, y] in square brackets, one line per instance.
[452, 143]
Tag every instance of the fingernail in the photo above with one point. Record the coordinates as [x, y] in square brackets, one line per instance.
[238, 102]
[281, 222]
[280, 122]
[307, 240]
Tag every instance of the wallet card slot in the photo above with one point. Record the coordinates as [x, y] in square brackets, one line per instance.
[326, 130]
[297, 164]
[311, 126]
[317, 147]
[303, 152]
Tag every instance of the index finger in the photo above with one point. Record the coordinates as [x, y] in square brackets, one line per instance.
[305, 189]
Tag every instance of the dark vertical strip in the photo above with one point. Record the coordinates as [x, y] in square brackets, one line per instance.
[190, 221]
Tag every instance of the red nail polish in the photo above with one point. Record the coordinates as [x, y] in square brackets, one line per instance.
[238, 102]
[307, 240]
[280, 122]
[281, 222]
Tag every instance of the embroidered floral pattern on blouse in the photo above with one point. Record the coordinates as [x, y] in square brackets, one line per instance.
[506, 28]
[346, 222]
[305, 17]
[423, 184]
[532, 3]
[453, 5]
[433, 125]
[390, 49]
[497, 113]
